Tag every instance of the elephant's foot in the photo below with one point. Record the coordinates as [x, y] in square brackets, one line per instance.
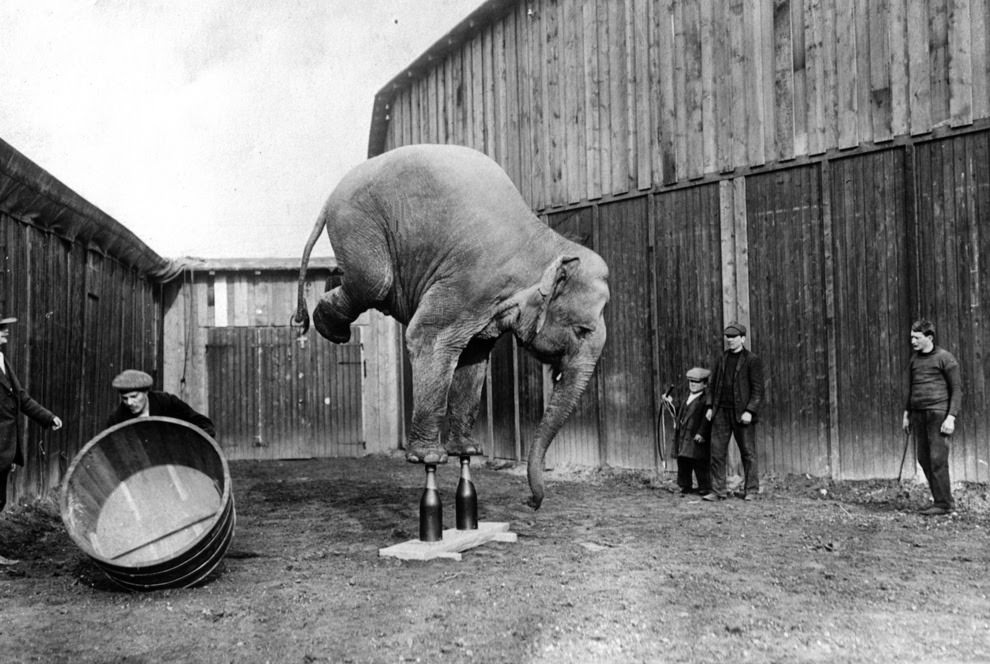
[465, 448]
[428, 455]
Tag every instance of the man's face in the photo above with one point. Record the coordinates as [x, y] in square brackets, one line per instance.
[4, 334]
[921, 342]
[734, 342]
[696, 385]
[135, 401]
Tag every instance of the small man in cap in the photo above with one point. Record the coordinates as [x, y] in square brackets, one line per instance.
[733, 404]
[14, 400]
[691, 440]
[137, 399]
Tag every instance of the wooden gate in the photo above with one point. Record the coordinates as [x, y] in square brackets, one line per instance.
[273, 396]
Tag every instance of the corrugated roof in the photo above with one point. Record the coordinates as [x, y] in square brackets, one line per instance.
[480, 18]
[30, 194]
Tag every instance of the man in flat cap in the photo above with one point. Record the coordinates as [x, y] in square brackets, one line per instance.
[733, 404]
[691, 439]
[14, 400]
[137, 399]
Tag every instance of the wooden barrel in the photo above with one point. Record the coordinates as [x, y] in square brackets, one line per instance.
[150, 501]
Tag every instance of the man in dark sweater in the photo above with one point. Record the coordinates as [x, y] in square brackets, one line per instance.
[934, 398]
[137, 399]
[733, 405]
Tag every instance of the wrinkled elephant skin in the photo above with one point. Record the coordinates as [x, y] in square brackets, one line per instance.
[439, 238]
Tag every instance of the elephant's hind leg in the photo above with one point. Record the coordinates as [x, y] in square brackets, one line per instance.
[334, 314]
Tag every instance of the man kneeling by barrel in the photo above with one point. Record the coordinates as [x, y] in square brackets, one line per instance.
[137, 399]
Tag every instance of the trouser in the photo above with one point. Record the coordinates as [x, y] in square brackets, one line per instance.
[724, 425]
[933, 453]
[686, 466]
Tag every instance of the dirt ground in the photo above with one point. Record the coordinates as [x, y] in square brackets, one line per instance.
[616, 567]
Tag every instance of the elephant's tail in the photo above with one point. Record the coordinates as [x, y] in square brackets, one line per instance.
[300, 319]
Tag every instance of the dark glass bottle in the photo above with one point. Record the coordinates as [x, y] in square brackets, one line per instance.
[466, 502]
[430, 509]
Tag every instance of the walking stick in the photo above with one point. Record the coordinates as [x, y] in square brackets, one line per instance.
[662, 429]
[907, 441]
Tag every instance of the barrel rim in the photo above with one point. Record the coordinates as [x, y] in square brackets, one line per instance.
[93, 442]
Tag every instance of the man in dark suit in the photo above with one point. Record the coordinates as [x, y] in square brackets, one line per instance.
[137, 399]
[733, 405]
[14, 401]
[691, 440]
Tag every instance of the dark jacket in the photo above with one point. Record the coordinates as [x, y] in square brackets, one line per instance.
[14, 401]
[691, 422]
[747, 384]
[165, 405]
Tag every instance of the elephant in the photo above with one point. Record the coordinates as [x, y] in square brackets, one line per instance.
[439, 238]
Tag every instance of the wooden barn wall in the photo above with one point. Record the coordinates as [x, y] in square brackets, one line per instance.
[687, 268]
[626, 384]
[788, 317]
[581, 99]
[872, 292]
[951, 253]
[82, 318]
[837, 154]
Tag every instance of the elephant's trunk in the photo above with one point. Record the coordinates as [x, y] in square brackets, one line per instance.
[568, 388]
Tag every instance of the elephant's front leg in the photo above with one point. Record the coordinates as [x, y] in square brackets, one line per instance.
[433, 357]
[464, 400]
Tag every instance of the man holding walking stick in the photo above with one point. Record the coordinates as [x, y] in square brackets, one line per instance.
[934, 398]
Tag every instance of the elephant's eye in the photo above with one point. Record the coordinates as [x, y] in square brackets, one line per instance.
[582, 331]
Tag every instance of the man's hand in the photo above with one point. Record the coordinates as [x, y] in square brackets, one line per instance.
[698, 438]
[708, 414]
[56, 423]
[948, 425]
[906, 423]
[746, 417]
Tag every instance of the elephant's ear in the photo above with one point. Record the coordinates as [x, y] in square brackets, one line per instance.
[553, 282]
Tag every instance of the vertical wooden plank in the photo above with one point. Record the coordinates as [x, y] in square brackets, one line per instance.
[643, 154]
[489, 123]
[509, 62]
[693, 88]
[723, 27]
[783, 78]
[938, 58]
[709, 129]
[919, 68]
[727, 238]
[980, 58]
[764, 29]
[741, 108]
[592, 100]
[961, 77]
[618, 97]
[751, 118]
[899, 76]
[799, 76]
[554, 131]
[846, 81]
[815, 79]
[479, 111]
[666, 124]
[575, 92]
[680, 108]
[880, 56]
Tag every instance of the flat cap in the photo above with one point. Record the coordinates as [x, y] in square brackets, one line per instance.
[735, 329]
[132, 379]
[7, 321]
[697, 373]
